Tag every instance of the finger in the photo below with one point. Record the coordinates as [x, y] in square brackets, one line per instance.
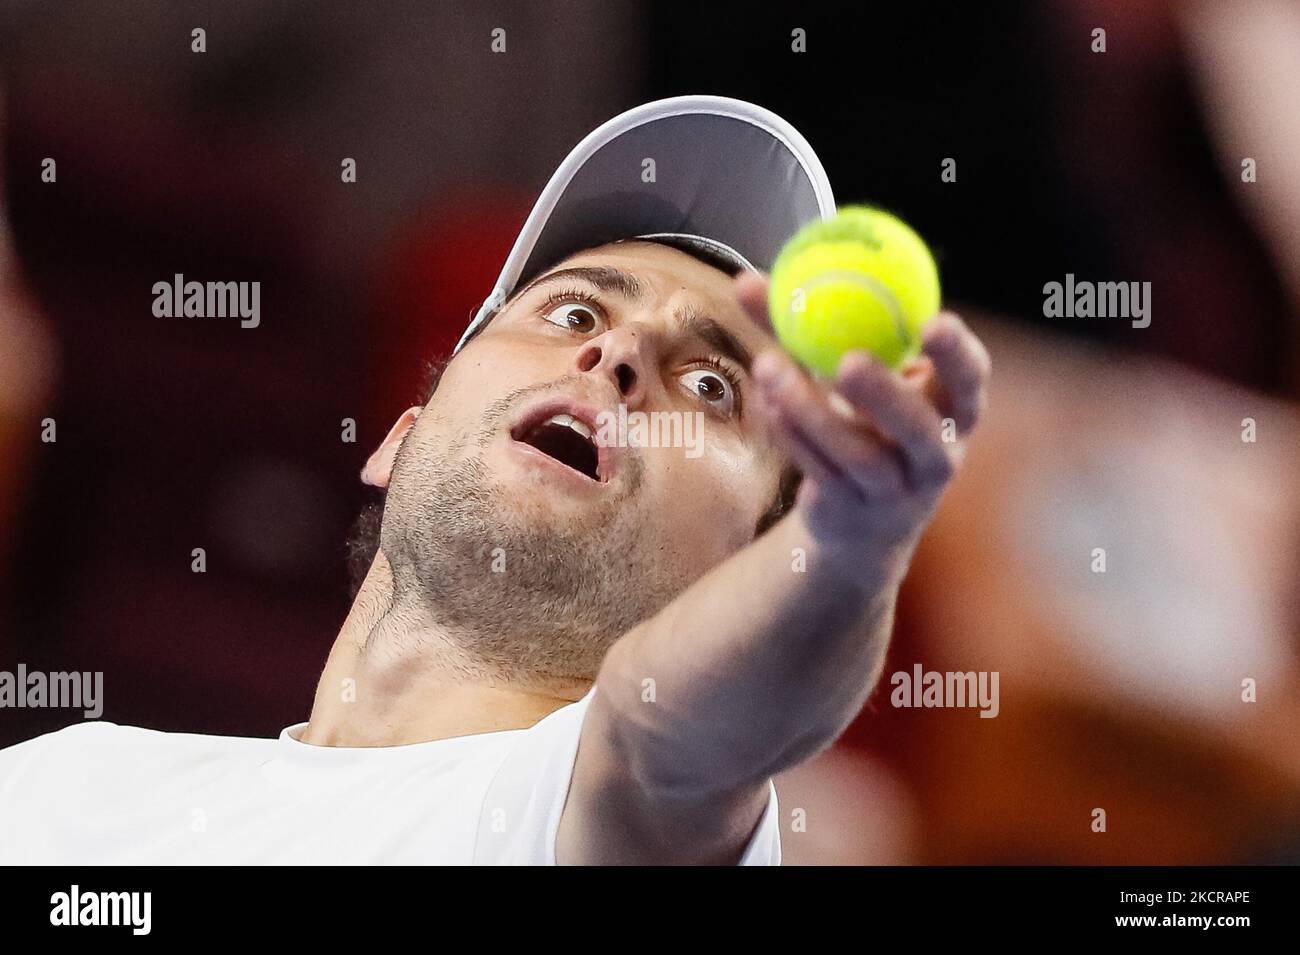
[803, 451]
[783, 431]
[751, 289]
[902, 415]
[846, 445]
[961, 365]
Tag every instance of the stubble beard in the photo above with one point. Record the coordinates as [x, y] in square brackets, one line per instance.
[523, 591]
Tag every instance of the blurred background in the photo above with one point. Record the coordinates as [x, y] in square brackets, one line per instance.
[1120, 691]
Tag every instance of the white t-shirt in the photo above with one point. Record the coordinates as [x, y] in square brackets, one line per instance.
[99, 793]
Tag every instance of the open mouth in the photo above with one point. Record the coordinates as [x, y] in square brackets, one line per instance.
[565, 438]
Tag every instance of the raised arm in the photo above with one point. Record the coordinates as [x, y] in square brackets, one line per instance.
[765, 660]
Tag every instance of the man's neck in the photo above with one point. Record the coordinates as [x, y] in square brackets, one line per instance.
[393, 678]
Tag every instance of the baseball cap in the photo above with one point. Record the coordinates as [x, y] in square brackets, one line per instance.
[723, 179]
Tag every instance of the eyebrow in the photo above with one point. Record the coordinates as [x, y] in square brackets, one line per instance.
[607, 279]
[689, 319]
[716, 336]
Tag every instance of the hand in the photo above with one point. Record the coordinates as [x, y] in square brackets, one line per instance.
[876, 447]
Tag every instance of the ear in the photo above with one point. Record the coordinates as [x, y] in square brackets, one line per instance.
[379, 467]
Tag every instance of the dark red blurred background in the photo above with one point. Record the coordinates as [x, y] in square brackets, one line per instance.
[178, 434]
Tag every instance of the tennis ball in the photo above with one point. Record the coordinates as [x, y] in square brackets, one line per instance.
[863, 280]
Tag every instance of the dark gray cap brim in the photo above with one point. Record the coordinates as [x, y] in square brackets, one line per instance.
[730, 174]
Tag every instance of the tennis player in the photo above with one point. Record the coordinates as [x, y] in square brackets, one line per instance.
[573, 646]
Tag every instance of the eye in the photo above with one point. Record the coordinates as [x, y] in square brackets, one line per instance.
[574, 316]
[714, 387]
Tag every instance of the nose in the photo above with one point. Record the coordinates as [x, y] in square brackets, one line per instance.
[622, 355]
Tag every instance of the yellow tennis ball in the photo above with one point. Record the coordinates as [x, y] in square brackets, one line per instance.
[863, 280]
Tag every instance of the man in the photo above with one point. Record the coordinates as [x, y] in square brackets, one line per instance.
[570, 646]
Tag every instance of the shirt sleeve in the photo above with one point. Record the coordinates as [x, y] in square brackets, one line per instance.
[520, 818]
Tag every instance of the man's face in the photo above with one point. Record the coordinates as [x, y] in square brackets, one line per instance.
[530, 510]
